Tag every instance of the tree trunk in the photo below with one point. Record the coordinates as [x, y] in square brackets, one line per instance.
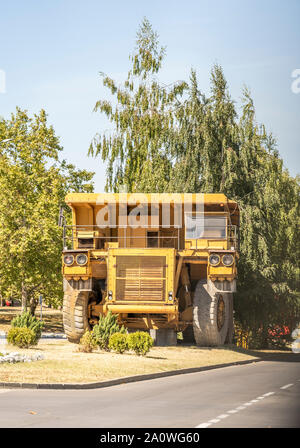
[33, 305]
[24, 298]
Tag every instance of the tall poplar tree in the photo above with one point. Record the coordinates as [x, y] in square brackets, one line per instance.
[142, 118]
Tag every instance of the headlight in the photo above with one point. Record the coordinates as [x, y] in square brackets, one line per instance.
[81, 259]
[227, 259]
[68, 260]
[214, 259]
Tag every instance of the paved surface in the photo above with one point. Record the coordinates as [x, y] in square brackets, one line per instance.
[264, 394]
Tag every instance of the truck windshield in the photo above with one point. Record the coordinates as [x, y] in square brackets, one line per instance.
[205, 226]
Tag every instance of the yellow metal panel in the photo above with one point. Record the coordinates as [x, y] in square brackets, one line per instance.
[99, 270]
[75, 270]
[187, 314]
[84, 216]
[93, 198]
[111, 267]
[99, 253]
[85, 234]
[171, 262]
[137, 237]
[205, 244]
[142, 309]
[220, 271]
[109, 245]
[217, 244]
[122, 235]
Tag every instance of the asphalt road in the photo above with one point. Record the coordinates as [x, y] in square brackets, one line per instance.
[258, 395]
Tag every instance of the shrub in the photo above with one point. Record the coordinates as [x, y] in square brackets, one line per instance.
[278, 336]
[22, 337]
[106, 326]
[118, 342]
[26, 320]
[87, 343]
[140, 342]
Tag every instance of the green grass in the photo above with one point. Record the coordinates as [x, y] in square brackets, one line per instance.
[63, 363]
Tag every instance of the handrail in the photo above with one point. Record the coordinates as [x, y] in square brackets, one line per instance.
[231, 237]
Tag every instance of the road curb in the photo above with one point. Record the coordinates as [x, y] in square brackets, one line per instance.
[124, 380]
[53, 336]
[43, 335]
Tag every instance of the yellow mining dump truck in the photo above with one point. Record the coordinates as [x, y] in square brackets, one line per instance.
[164, 263]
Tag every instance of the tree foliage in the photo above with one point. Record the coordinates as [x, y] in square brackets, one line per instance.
[177, 139]
[26, 320]
[142, 119]
[33, 185]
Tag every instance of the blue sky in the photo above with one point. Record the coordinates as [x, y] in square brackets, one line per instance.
[52, 53]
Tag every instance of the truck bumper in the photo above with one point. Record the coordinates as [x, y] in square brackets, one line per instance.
[141, 309]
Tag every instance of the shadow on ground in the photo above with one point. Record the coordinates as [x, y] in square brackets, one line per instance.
[52, 318]
[265, 355]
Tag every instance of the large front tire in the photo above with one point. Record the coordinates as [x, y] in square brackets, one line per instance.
[75, 316]
[211, 315]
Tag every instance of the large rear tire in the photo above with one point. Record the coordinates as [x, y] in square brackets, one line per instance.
[211, 315]
[75, 316]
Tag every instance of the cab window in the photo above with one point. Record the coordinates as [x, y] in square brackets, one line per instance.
[197, 227]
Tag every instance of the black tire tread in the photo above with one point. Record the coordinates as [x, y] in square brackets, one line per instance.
[205, 316]
[75, 319]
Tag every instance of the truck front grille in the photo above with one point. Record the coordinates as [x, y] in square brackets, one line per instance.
[140, 278]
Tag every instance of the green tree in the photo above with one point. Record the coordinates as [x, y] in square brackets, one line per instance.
[217, 152]
[142, 118]
[33, 184]
[204, 135]
[268, 287]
